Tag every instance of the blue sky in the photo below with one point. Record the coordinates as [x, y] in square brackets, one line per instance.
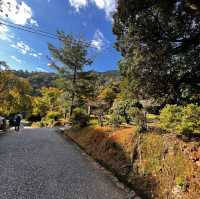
[88, 18]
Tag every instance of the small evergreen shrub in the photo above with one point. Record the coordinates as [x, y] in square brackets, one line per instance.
[80, 117]
[53, 115]
[116, 120]
[181, 119]
[121, 110]
[170, 118]
[190, 119]
[138, 116]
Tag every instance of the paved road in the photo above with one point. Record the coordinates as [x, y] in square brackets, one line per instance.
[41, 164]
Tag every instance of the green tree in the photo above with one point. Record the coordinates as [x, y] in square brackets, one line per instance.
[122, 108]
[3, 66]
[109, 93]
[49, 101]
[73, 54]
[159, 41]
[14, 94]
[40, 107]
[88, 89]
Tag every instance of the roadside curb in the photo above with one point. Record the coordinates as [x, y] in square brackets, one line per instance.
[3, 132]
[116, 178]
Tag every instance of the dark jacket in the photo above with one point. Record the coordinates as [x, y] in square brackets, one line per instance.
[17, 120]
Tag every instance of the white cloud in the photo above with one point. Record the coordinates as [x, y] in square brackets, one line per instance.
[16, 59]
[3, 29]
[34, 22]
[77, 4]
[98, 40]
[108, 6]
[34, 54]
[22, 47]
[4, 34]
[17, 12]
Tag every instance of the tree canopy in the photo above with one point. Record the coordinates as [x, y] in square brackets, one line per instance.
[73, 55]
[159, 41]
[14, 94]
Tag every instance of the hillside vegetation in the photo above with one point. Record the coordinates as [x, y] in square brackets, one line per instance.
[155, 165]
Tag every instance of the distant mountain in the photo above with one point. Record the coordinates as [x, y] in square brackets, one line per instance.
[43, 79]
[37, 79]
[112, 75]
[115, 73]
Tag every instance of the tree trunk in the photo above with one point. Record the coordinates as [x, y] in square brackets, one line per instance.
[72, 105]
[89, 109]
[73, 93]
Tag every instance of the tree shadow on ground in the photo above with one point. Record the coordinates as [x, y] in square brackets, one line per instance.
[194, 137]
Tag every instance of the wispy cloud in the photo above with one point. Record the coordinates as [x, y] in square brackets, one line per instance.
[34, 22]
[41, 69]
[4, 34]
[35, 54]
[99, 41]
[108, 6]
[24, 49]
[16, 59]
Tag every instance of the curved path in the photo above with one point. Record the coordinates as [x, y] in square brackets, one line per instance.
[41, 164]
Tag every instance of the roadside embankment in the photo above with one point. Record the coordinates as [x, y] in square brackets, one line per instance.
[154, 165]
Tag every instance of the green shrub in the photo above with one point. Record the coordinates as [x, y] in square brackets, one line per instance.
[170, 117]
[80, 117]
[116, 120]
[121, 109]
[180, 181]
[53, 115]
[138, 116]
[181, 119]
[190, 120]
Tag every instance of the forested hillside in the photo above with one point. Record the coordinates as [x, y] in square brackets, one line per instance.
[44, 79]
[37, 94]
[37, 79]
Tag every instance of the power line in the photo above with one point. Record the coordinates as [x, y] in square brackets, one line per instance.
[29, 27]
[38, 32]
[43, 33]
[30, 31]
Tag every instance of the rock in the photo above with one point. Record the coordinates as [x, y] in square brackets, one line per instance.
[132, 195]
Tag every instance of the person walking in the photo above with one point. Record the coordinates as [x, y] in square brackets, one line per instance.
[17, 122]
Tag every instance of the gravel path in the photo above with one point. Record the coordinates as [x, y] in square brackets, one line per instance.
[41, 164]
